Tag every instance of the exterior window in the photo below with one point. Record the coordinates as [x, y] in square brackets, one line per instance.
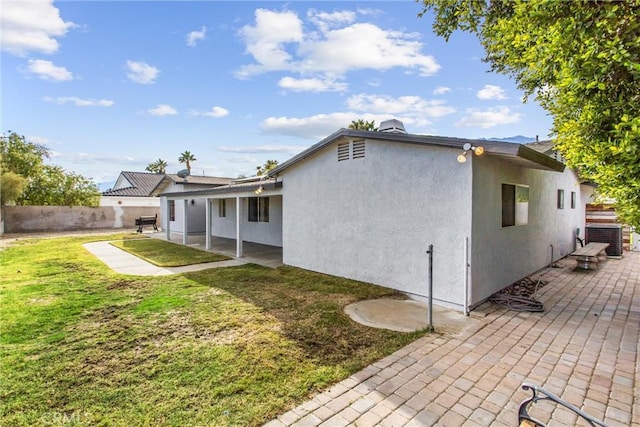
[573, 200]
[560, 199]
[515, 205]
[259, 209]
[172, 210]
[222, 208]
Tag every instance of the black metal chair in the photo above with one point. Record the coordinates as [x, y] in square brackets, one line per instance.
[540, 394]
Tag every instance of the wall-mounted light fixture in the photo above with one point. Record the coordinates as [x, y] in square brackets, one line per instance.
[259, 190]
[468, 147]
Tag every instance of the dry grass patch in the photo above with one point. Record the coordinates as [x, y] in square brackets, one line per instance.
[230, 346]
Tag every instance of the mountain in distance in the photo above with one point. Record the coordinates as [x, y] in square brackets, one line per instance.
[518, 139]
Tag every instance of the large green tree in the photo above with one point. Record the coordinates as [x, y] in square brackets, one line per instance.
[581, 62]
[27, 180]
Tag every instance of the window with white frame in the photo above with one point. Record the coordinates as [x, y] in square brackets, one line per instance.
[573, 200]
[515, 205]
[259, 209]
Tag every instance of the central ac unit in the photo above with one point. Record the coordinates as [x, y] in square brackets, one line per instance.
[606, 233]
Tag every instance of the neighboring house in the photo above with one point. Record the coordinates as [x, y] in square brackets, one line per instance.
[367, 205]
[133, 189]
[174, 217]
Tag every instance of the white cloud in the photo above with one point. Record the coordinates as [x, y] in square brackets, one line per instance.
[489, 118]
[403, 105]
[278, 42]
[312, 85]
[319, 126]
[78, 102]
[441, 90]
[141, 72]
[415, 113]
[46, 70]
[491, 92]
[326, 20]
[262, 149]
[163, 110]
[314, 127]
[31, 26]
[216, 112]
[194, 36]
[366, 46]
[266, 41]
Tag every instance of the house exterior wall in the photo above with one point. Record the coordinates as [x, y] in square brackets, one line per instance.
[266, 233]
[504, 255]
[373, 218]
[196, 220]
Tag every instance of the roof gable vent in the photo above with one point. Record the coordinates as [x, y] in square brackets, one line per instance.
[392, 126]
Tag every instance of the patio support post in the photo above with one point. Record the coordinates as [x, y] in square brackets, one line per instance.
[238, 231]
[185, 223]
[207, 227]
[168, 219]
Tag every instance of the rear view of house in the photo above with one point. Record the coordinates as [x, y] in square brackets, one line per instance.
[367, 205]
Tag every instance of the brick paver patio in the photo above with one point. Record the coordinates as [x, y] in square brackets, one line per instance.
[583, 348]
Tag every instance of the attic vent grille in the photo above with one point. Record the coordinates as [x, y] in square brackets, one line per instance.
[343, 151]
[358, 149]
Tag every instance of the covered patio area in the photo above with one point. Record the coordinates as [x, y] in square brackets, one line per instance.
[265, 255]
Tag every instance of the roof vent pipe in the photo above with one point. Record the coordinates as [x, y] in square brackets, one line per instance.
[392, 126]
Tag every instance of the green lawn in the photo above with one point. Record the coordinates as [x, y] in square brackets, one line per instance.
[82, 345]
[166, 254]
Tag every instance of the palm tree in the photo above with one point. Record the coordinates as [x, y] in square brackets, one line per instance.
[363, 125]
[264, 169]
[187, 158]
[159, 166]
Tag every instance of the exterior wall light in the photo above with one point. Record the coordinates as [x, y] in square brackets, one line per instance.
[468, 147]
[260, 189]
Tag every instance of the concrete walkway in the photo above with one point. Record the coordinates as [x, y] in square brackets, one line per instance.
[123, 262]
[583, 348]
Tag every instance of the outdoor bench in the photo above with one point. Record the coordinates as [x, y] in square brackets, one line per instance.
[147, 220]
[540, 394]
[587, 256]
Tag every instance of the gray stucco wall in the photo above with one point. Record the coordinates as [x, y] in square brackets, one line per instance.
[503, 255]
[196, 215]
[266, 233]
[26, 219]
[372, 219]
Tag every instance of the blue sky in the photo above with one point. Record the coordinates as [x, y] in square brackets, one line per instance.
[112, 86]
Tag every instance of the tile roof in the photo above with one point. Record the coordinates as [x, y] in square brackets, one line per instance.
[141, 184]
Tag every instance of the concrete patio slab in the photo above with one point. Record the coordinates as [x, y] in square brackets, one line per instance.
[125, 263]
[407, 316]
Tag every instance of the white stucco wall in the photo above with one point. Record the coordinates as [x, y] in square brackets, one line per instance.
[130, 201]
[503, 255]
[266, 233]
[196, 220]
[372, 219]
